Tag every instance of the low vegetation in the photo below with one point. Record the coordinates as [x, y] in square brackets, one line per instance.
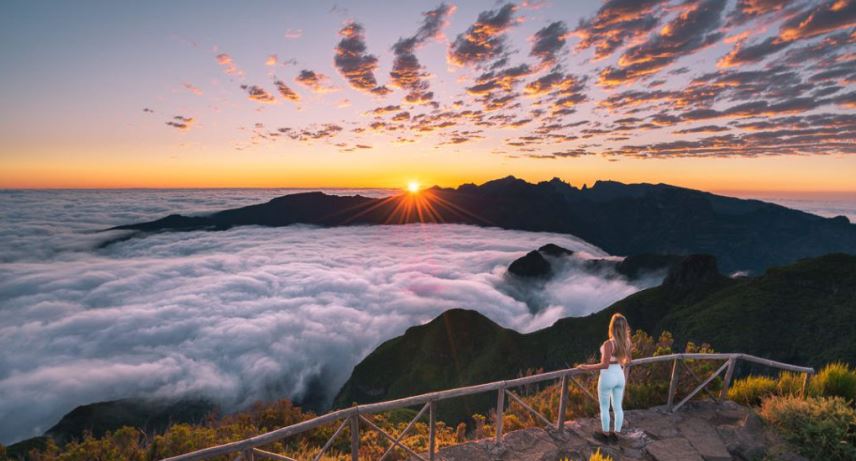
[821, 428]
[835, 379]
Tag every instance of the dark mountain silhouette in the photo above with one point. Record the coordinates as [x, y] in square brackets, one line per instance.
[803, 313]
[623, 219]
[150, 416]
[538, 265]
[532, 265]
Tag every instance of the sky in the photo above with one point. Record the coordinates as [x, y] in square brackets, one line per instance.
[737, 95]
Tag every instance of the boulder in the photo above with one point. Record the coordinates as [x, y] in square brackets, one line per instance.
[551, 249]
[533, 265]
[691, 272]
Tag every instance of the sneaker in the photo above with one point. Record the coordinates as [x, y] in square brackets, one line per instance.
[601, 437]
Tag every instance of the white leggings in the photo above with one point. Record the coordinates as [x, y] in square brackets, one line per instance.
[610, 386]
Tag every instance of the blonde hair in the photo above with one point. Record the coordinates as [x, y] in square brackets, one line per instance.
[619, 332]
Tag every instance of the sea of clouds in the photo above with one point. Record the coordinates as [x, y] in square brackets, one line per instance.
[236, 316]
[246, 314]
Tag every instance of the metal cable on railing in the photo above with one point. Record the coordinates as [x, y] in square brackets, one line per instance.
[249, 449]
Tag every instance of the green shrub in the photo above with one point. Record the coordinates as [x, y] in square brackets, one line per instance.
[751, 390]
[835, 379]
[645, 394]
[820, 428]
[789, 384]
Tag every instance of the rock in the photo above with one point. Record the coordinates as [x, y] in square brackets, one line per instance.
[705, 439]
[753, 424]
[731, 412]
[551, 249]
[534, 444]
[658, 426]
[742, 444]
[673, 450]
[532, 265]
[465, 451]
[692, 271]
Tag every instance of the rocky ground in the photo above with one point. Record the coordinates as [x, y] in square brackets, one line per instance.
[702, 430]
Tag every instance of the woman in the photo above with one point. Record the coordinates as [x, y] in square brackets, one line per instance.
[614, 359]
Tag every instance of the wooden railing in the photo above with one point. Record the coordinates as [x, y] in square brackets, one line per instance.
[249, 449]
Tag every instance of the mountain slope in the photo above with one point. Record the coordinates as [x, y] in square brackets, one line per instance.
[622, 219]
[803, 313]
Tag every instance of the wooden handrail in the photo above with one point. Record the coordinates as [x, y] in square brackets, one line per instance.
[501, 387]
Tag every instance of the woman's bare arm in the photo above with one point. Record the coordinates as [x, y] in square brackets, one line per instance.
[629, 361]
[604, 359]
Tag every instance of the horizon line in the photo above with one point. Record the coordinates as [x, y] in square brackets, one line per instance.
[732, 191]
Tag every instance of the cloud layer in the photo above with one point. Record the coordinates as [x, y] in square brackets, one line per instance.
[246, 314]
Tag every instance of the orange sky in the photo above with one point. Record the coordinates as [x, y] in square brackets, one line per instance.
[201, 168]
[171, 100]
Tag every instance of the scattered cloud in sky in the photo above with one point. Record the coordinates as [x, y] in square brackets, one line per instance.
[617, 23]
[407, 73]
[823, 18]
[692, 29]
[258, 94]
[229, 65]
[286, 92]
[355, 63]
[549, 42]
[193, 89]
[484, 40]
[181, 122]
[293, 34]
[315, 81]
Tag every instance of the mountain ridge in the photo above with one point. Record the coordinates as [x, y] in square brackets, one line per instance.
[622, 219]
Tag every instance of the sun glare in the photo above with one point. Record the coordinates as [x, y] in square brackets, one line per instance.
[413, 187]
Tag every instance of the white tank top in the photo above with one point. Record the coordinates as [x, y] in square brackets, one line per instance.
[612, 358]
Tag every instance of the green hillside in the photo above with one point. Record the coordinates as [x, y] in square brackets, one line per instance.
[804, 313]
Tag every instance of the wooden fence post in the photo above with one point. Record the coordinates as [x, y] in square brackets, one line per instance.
[673, 384]
[500, 410]
[804, 385]
[248, 455]
[355, 437]
[563, 403]
[726, 383]
[432, 428]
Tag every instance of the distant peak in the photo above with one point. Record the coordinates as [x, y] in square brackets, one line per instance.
[692, 271]
[506, 180]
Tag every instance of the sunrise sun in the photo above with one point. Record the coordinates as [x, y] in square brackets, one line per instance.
[413, 187]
